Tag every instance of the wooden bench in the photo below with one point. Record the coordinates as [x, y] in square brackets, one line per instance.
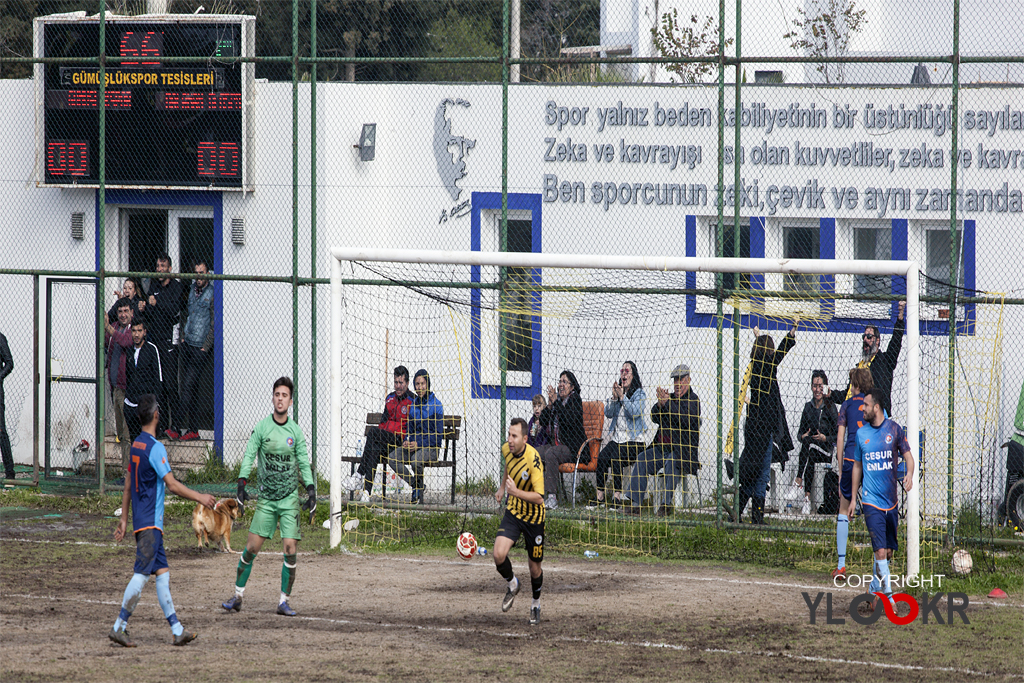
[446, 456]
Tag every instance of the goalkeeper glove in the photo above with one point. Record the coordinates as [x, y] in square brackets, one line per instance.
[241, 496]
[310, 503]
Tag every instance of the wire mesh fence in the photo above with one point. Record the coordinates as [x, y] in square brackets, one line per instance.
[238, 141]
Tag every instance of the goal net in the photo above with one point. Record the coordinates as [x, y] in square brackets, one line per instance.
[495, 331]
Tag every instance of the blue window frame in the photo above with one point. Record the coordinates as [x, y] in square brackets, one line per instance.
[491, 201]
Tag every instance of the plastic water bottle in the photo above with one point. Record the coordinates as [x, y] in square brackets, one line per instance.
[590, 554]
[481, 551]
[789, 508]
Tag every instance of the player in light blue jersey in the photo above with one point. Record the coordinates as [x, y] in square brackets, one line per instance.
[880, 445]
[145, 483]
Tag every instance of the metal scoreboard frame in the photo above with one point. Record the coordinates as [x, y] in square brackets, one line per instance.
[182, 124]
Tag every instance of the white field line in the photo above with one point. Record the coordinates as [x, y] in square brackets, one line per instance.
[574, 570]
[587, 641]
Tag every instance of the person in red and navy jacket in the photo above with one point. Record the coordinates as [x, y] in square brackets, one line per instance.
[389, 434]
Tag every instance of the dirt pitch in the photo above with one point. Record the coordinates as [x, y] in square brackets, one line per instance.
[436, 618]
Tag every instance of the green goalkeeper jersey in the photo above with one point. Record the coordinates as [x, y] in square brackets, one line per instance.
[280, 451]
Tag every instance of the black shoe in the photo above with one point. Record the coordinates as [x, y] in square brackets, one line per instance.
[235, 603]
[510, 595]
[417, 496]
[534, 616]
[666, 511]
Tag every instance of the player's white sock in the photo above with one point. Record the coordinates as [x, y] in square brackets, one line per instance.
[284, 598]
[842, 534]
[132, 593]
[163, 596]
[535, 603]
[239, 590]
[876, 585]
[883, 575]
[513, 583]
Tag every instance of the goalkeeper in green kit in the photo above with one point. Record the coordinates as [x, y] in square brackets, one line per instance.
[280, 448]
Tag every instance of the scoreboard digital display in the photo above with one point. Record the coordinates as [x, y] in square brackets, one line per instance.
[180, 123]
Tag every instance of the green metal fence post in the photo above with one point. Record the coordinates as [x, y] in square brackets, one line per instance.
[954, 272]
[312, 234]
[101, 260]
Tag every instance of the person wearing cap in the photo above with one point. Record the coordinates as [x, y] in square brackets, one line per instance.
[424, 433]
[675, 445]
[563, 418]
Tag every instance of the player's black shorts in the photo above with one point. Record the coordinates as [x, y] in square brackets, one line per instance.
[149, 551]
[511, 527]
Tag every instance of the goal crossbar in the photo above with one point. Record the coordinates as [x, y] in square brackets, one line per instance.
[907, 269]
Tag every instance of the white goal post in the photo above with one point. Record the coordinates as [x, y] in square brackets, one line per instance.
[906, 269]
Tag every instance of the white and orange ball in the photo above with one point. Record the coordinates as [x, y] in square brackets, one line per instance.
[962, 562]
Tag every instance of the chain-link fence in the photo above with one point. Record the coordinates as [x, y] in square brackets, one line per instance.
[239, 141]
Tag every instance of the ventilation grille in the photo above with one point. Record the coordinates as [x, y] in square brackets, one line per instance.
[78, 226]
[238, 231]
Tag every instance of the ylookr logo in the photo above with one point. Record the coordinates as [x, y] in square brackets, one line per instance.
[956, 603]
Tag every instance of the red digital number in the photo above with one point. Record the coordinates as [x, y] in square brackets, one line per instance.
[67, 158]
[137, 44]
[218, 160]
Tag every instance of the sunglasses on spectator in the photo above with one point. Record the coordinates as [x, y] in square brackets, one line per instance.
[869, 336]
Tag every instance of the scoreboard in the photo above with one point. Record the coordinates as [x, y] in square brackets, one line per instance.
[182, 123]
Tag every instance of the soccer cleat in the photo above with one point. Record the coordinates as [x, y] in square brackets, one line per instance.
[235, 603]
[534, 616]
[121, 638]
[173, 434]
[285, 610]
[839, 573]
[189, 436]
[185, 637]
[510, 596]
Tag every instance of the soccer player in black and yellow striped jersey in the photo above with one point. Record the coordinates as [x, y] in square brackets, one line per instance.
[524, 514]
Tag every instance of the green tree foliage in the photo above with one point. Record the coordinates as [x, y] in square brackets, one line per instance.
[827, 34]
[681, 40]
[16, 29]
[547, 26]
[460, 35]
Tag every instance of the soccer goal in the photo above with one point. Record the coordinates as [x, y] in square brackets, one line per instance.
[494, 330]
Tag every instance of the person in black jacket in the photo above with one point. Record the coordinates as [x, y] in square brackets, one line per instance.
[6, 365]
[882, 365]
[819, 424]
[564, 419]
[163, 314]
[675, 445]
[762, 423]
[144, 376]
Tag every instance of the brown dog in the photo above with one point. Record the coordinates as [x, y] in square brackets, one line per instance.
[215, 525]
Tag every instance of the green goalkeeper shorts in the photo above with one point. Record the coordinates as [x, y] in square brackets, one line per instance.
[270, 512]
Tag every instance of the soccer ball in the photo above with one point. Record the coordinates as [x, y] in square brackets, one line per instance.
[962, 562]
[466, 546]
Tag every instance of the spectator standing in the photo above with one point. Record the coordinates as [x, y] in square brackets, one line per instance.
[143, 375]
[389, 434]
[524, 515]
[625, 410]
[762, 422]
[166, 296]
[881, 365]
[278, 448]
[674, 448]
[195, 347]
[119, 348]
[144, 489]
[537, 433]
[131, 291]
[563, 418]
[6, 365]
[424, 433]
[817, 435]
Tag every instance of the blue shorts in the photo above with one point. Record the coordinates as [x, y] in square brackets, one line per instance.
[149, 551]
[882, 527]
[846, 480]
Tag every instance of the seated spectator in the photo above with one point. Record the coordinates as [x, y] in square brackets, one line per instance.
[675, 445]
[625, 409]
[424, 433]
[536, 433]
[390, 433]
[131, 291]
[819, 424]
[563, 419]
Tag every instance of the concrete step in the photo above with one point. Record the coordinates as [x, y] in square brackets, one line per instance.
[183, 456]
